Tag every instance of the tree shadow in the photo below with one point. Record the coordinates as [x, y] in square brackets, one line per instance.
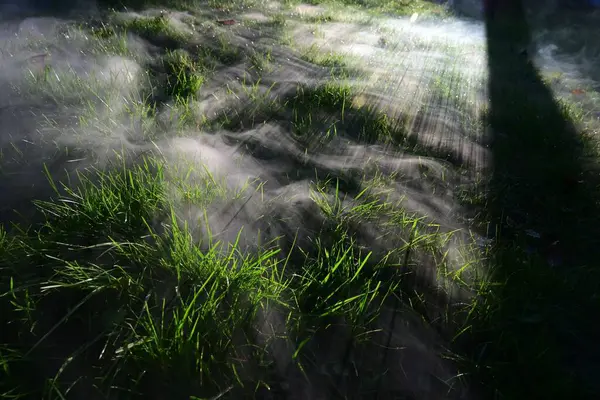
[536, 336]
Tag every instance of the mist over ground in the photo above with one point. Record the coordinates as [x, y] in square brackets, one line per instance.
[284, 200]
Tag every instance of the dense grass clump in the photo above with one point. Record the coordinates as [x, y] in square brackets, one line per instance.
[155, 28]
[148, 304]
[184, 77]
[114, 288]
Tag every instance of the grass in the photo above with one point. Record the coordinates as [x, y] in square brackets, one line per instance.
[337, 64]
[156, 28]
[135, 279]
[157, 310]
[539, 191]
[319, 114]
[261, 61]
[184, 77]
[403, 7]
[153, 313]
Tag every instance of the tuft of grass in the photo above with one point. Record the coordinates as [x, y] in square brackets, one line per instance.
[400, 7]
[335, 284]
[261, 61]
[278, 20]
[154, 28]
[200, 335]
[124, 202]
[338, 64]
[226, 52]
[104, 31]
[185, 77]
[331, 105]
[319, 18]
[332, 96]
[200, 187]
[146, 299]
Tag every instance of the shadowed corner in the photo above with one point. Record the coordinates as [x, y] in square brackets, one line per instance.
[535, 336]
[18, 9]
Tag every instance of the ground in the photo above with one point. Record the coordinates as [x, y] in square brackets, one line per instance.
[342, 199]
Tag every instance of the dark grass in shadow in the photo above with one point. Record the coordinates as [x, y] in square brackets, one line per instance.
[16, 9]
[574, 34]
[537, 335]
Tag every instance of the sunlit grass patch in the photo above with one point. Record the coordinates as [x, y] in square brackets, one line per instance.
[317, 114]
[184, 76]
[157, 27]
[320, 18]
[331, 60]
[330, 96]
[111, 41]
[109, 199]
[204, 334]
[332, 105]
[337, 286]
[118, 266]
[198, 186]
[339, 65]
[402, 7]
[167, 308]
